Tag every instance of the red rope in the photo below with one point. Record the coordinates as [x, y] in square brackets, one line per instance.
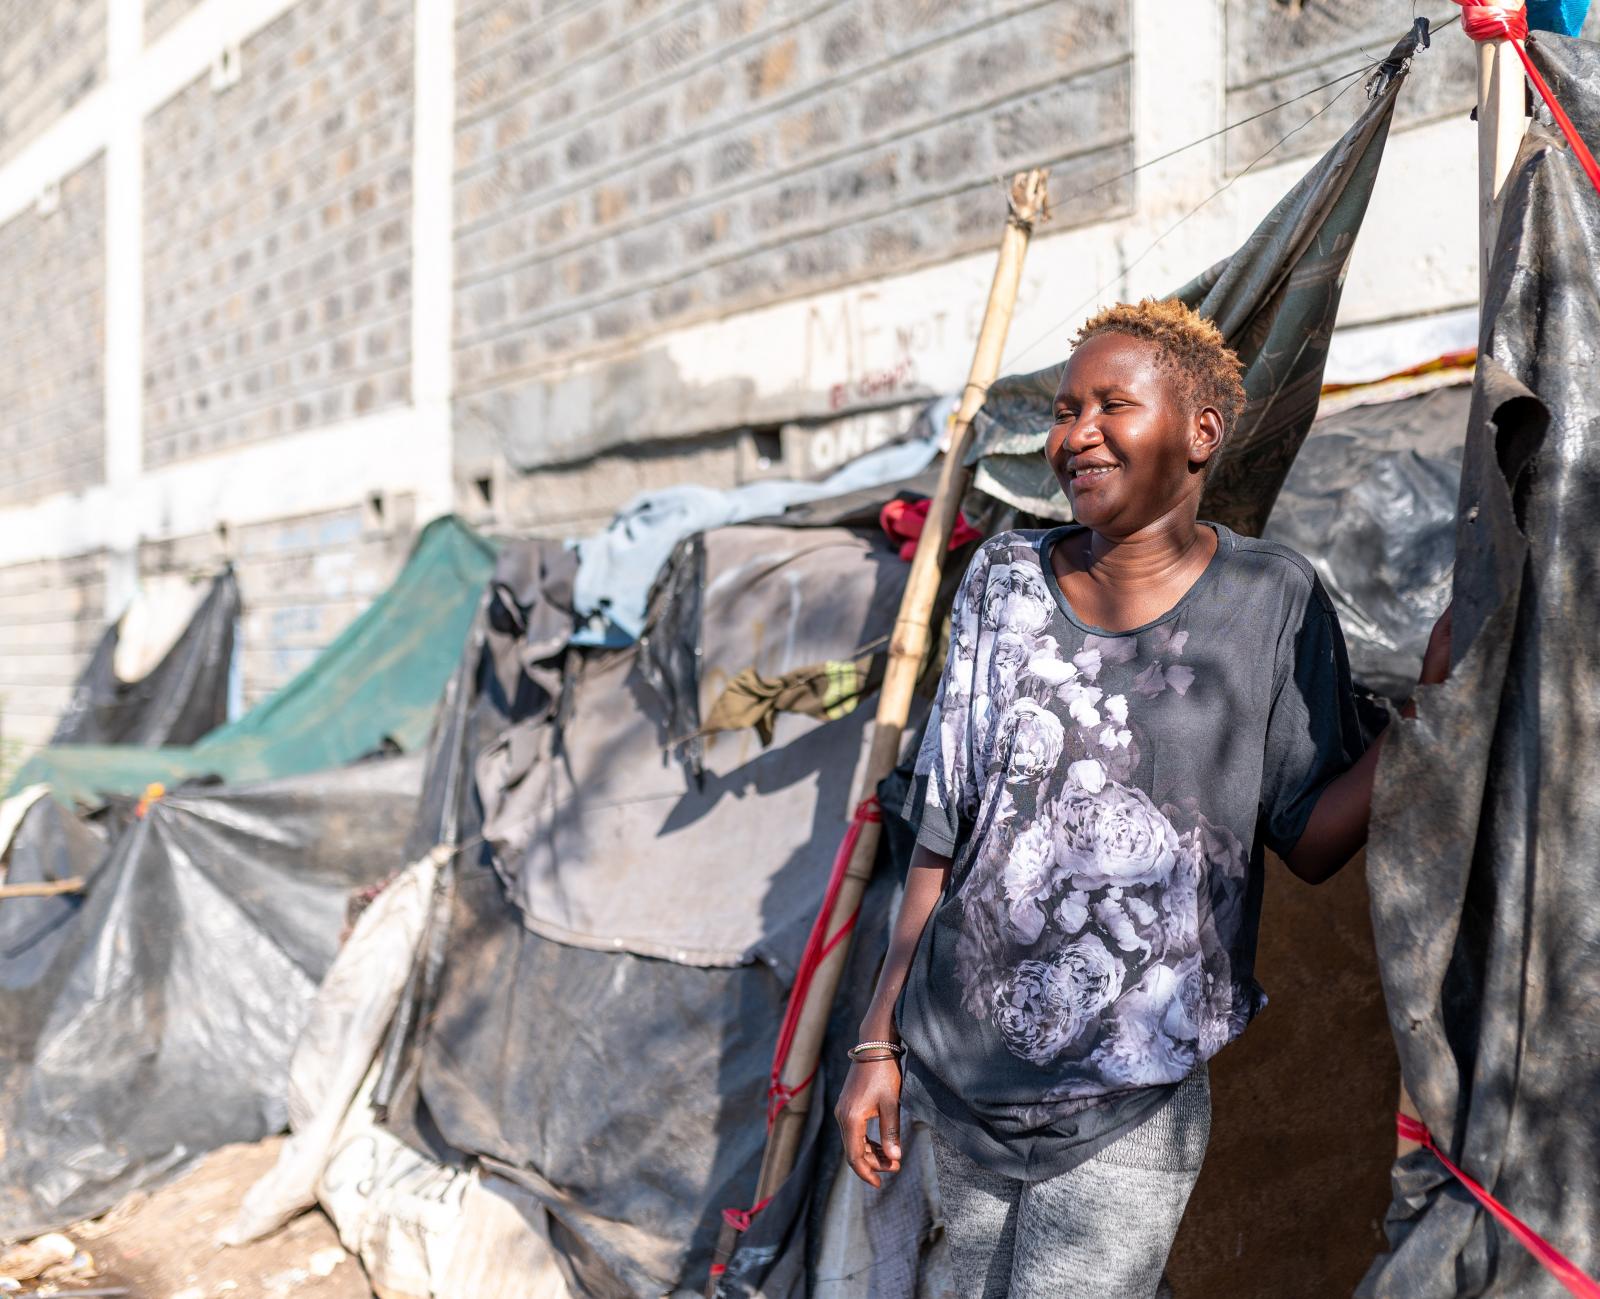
[1496, 23]
[1552, 1260]
[819, 946]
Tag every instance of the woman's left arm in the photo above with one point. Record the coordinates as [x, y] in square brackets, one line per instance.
[1337, 828]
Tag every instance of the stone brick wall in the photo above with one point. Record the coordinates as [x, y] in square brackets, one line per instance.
[52, 54]
[302, 580]
[1279, 50]
[52, 612]
[52, 343]
[161, 15]
[277, 235]
[625, 166]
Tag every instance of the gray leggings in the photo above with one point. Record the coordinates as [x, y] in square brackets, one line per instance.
[1101, 1230]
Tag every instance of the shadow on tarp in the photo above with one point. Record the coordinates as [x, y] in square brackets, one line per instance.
[1484, 862]
[606, 1043]
[151, 1019]
[183, 698]
[380, 680]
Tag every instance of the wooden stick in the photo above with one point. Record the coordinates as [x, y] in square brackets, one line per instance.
[907, 648]
[43, 889]
[1502, 120]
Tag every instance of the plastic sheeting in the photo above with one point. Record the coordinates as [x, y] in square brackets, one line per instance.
[152, 1019]
[1484, 862]
[618, 567]
[586, 816]
[379, 681]
[1274, 300]
[1371, 502]
[183, 697]
[626, 1094]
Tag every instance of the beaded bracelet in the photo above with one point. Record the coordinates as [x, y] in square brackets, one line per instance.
[895, 1050]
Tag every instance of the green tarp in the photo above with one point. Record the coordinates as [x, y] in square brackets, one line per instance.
[381, 679]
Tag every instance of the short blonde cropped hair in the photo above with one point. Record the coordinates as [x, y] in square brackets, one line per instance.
[1189, 344]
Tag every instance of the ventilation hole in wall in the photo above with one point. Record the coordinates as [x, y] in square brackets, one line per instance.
[374, 511]
[485, 490]
[767, 443]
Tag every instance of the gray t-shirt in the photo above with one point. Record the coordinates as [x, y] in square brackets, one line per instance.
[1105, 797]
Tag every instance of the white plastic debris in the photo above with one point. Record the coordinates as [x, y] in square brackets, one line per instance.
[324, 1261]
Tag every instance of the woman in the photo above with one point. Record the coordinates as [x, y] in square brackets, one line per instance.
[1132, 707]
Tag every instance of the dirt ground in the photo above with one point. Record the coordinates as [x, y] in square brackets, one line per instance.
[162, 1245]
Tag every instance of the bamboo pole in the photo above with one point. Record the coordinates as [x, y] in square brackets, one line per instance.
[1502, 120]
[908, 647]
[43, 889]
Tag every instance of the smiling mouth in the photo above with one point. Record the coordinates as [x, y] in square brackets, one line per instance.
[1096, 472]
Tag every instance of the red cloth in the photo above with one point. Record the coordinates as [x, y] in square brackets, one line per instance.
[904, 520]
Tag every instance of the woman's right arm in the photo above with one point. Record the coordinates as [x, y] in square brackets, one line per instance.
[872, 1088]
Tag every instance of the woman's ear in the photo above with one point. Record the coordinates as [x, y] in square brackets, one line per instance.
[1205, 436]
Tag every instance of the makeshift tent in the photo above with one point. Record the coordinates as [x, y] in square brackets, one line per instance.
[379, 681]
[1485, 851]
[1274, 300]
[179, 700]
[152, 1018]
[605, 852]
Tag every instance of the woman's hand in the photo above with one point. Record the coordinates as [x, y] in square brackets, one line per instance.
[871, 1091]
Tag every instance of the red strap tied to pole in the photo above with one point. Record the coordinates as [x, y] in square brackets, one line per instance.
[1550, 1258]
[819, 946]
[1496, 23]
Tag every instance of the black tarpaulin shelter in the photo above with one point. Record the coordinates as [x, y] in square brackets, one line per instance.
[1484, 863]
[1371, 502]
[1274, 300]
[182, 698]
[644, 914]
[150, 1019]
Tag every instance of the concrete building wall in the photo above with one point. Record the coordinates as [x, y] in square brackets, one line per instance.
[302, 580]
[52, 55]
[277, 234]
[52, 612]
[525, 258]
[160, 15]
[624, 167]
[52, 342]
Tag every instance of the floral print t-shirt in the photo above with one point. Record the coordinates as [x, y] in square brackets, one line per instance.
[1105, 797]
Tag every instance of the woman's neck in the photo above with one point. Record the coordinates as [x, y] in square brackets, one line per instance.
[1152, 557]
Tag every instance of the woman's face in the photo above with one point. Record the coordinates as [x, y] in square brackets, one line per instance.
[1125, 445]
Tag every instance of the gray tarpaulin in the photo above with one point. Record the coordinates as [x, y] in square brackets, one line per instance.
[626, 1092]
[1484, 863]
[1274, 300]
[598, 839]
[182, 698]
[152, 1019]
[618, 566]
[1371, 502]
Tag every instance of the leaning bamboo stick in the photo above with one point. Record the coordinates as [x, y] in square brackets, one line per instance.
[43, 889]
[908, 648]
